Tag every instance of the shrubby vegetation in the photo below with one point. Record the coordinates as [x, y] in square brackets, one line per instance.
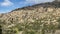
[40, 26]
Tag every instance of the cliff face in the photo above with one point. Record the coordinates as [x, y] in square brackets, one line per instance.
[45, 11]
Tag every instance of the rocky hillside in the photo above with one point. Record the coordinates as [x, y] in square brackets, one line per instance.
[45, 12]
[33, 12]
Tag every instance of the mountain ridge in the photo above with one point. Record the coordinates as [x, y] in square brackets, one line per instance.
[46, 4]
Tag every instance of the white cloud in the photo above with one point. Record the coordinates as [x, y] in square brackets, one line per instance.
[6, 3]
[38, 1]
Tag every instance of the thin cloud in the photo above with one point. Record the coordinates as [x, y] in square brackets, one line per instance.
[38, 1]
[6, 3]
[32, 2]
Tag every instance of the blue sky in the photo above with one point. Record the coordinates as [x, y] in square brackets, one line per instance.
[9, 5]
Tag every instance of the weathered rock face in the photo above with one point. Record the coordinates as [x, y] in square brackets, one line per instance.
[48, 11]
